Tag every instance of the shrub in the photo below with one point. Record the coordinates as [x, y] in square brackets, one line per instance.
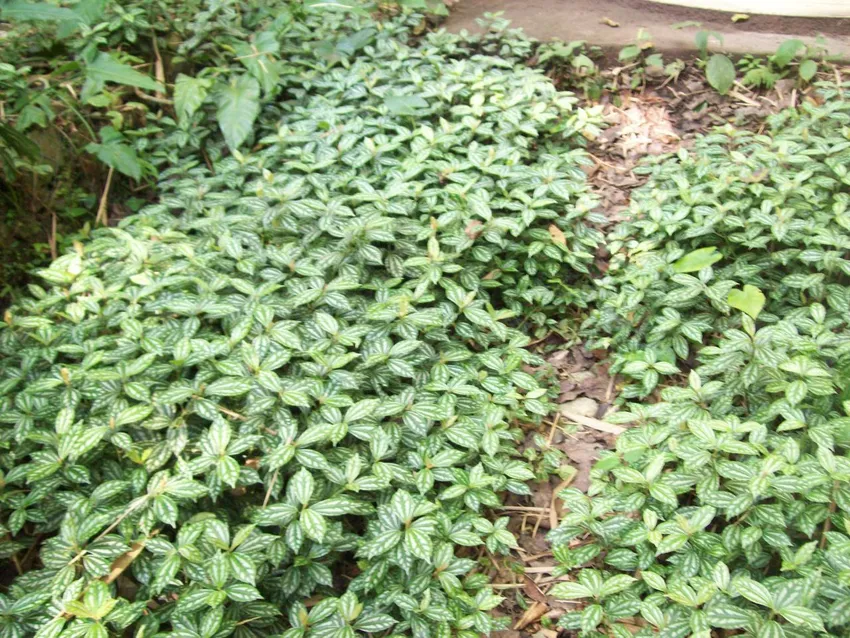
[289, 386]
[68, 87]
[726, 508]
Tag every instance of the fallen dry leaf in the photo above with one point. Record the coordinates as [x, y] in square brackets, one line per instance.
[557, 235]
[609, 22]
[532, 591]
[473, 228]
[554, 509]
[532, 614]
[120, 564]
[589, 422]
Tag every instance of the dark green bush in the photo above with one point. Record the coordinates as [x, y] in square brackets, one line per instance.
[281, 398]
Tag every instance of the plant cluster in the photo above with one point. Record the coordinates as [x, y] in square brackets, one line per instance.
[738, 211]
[726, 507]
[88, 87]
[573, 66]
[77, 83]
[281, 398]
[792, 57]
[572, 63]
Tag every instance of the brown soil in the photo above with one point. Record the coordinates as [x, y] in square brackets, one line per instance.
[582, 20]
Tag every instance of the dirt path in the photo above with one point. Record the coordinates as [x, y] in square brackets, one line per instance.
[581, 20]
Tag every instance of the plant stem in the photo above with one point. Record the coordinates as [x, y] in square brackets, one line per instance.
[827, 524]
[101, 209]
[51, 240]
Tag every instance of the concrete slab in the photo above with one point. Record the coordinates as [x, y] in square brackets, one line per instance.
[807, 9]
[582, 20]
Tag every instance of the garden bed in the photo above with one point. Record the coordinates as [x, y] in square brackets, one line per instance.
[417, 334]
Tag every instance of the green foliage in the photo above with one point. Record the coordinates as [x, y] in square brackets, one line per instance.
[73, 69]
[720, 73]
[703, 38]
[72, 82]
[573, 63]
[640, 59]
[759, 72]
[105, 68]
[743, 209]
[80, 80]
[115, 151]
[238, 107]
[726, 507]
[281, 398]
[14, 145]
[787, 51]
[633, 52]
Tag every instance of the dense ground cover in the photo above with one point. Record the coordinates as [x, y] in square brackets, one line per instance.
[726, 507]
[292, 375]
[284, 397]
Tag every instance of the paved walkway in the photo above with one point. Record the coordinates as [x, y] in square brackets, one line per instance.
[582, 20]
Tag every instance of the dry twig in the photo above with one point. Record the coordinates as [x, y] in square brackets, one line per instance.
[101, 217]
[590, 422]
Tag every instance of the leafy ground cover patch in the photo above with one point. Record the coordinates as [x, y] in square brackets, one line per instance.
[280, 399]
[725, 508]
[87, 88]
[286, 397]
